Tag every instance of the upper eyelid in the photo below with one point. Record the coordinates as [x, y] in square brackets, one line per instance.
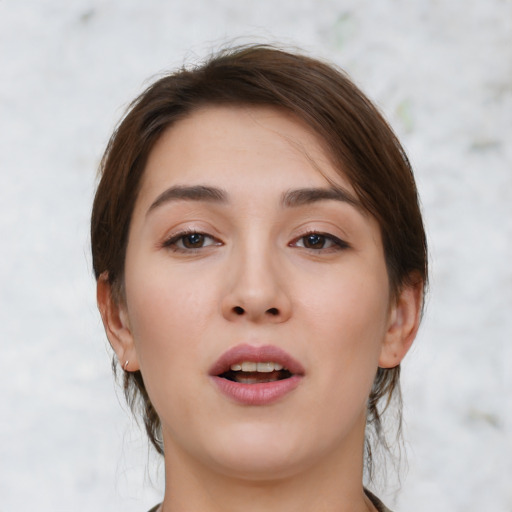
[181, 234]
[340, 242]
[322, 226]
[173, 237]
[318, 232]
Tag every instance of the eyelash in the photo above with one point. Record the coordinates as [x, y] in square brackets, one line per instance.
[337, 243]
[172, 242]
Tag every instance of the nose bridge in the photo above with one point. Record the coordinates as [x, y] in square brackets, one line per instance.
[257, 290]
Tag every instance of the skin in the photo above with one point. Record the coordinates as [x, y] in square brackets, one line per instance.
[256, 280]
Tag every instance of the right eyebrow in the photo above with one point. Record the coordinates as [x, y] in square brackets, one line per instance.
[189, 193]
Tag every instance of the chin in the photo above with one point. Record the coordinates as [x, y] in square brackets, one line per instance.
[264, 467]
[258, 453]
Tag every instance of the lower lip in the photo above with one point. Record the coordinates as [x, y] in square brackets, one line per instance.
[257, 394]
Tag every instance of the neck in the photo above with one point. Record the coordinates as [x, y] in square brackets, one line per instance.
[332, 484]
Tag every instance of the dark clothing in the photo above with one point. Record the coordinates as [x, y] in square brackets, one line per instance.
[378, 504]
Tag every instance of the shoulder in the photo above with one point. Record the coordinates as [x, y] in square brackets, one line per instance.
[378, 504]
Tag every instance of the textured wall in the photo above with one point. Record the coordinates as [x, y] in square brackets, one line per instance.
[442, 73]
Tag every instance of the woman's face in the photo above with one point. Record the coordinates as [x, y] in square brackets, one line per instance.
[246, 247]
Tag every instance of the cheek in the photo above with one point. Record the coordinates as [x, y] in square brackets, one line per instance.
[348, 303]
[348, 321]
[169, 314]
[168, 311]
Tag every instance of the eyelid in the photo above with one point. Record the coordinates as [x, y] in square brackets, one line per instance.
[170, 242]
[338, 243]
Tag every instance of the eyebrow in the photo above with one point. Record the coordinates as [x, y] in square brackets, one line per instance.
[189, 193]
[305, 196]
[289, 199]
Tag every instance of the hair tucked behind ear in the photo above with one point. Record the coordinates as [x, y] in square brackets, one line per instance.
[360, 143]
[138, 400]
[385, 390]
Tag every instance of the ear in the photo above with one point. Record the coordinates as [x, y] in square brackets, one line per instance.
[116, 324]
[404, 321]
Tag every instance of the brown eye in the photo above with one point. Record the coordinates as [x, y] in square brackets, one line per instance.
[190, 241]
[320, 242]
[193, 240]
[314, 241]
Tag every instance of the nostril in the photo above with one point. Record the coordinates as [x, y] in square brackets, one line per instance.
[238, 310]
[273, 311]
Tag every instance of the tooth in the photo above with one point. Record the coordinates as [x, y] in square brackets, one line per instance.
[266, 367]
[236, 367]
[277, 367]
[248, 366]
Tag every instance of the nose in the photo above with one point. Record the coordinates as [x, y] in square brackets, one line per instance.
[257, 290]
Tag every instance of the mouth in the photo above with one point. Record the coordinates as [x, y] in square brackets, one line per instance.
[256, 375]
[250, 372]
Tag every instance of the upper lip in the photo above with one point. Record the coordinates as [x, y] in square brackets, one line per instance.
[257, 354]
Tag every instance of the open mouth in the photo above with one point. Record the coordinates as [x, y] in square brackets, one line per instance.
[248, 372]
[256, 375]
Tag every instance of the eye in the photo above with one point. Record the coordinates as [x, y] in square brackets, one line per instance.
[189, 241]
[319, 241]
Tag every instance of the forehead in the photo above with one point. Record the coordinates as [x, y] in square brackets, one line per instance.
[241, 147]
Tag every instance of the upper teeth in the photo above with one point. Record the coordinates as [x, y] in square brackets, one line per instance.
[250, 366]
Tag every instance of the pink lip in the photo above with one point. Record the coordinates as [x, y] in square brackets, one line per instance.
[256, 394]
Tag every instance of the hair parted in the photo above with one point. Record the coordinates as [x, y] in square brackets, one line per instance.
[358, 140]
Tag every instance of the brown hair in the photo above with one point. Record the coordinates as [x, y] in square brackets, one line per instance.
[360, 142]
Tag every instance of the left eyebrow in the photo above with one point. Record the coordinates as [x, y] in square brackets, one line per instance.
[305, 196]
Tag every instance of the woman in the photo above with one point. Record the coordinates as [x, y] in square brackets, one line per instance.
[260, 261]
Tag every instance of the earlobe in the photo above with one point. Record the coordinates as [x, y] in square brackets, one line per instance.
[116, 324]
[404, 320]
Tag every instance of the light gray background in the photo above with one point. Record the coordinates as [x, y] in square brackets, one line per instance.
[441, 71]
